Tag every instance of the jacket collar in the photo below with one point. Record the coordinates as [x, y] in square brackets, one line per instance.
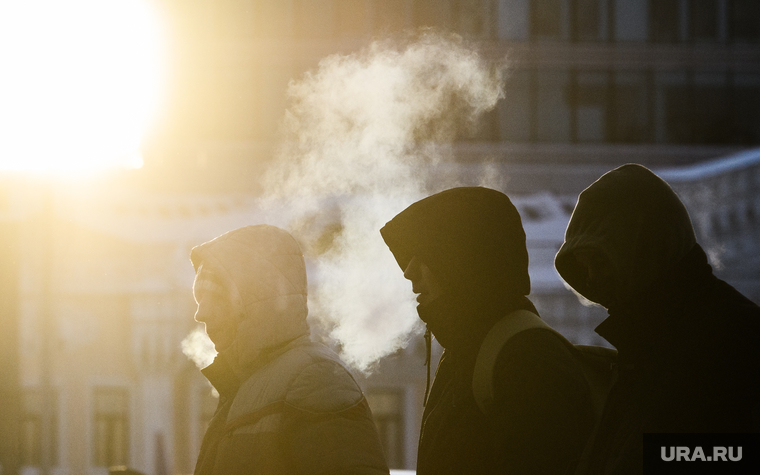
[226, 377]
[655, 318]
[460, 325]
[221, 375]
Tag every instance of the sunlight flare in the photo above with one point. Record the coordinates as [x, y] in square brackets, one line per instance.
[80, 83]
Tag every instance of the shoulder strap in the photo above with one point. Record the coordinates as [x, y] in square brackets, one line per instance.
[509, 326]
[597, 364]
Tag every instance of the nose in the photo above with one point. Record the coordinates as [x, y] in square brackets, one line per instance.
[412, 270]
[201, 314]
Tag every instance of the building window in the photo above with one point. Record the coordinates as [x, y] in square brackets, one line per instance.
[631, 108]
[31, 428]
[485, 128]
[672, 107]
[711, 120]
[745, 20]
[432, 13]
[471, 15]
[703, 20]
[351, 18]
[664, 21]
[746, 110]
[516, 109]
[546, 19]
[387, 411]
[707, 108]
[314, 19]
[552, 106]
[390, 15]
[466, 17]
[591, 106]
[110, 441]
[589, 20]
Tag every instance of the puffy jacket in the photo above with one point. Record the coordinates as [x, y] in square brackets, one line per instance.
[473, 241]
[687, 341]
[287, 405]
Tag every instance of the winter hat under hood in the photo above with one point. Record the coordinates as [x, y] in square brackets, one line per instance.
[266, 267]
[633, 220]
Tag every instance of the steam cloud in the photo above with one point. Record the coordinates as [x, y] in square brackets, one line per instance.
[360, 138]
[198, 348]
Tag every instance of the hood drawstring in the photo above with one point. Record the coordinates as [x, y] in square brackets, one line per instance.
[428, 345]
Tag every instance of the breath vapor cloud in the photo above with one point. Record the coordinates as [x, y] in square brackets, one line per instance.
[198, 348]
[361, 136]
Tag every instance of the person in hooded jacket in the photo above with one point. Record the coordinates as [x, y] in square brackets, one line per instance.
[464, 251]
[687, 341]
[287, 405]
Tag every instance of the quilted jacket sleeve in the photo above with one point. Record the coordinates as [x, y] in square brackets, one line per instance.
[323, 426]
[328, 425]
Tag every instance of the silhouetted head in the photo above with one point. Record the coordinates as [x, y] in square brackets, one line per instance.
[250, 288]
[470, 238]
[463, 246]
[627, 230]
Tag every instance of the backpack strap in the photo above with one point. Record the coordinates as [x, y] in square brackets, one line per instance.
[509, 326]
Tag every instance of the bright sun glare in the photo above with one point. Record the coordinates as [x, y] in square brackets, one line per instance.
[79, 83]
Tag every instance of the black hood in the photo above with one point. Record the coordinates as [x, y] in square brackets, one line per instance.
[471, 238]
[632, 219]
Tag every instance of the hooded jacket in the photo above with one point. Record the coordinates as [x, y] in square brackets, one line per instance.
[687, 341]
[287, 405]
[473, 242]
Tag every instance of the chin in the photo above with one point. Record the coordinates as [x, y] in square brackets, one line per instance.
[221, 344]
[222, 347]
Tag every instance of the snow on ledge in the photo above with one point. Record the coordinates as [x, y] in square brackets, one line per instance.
[711, 168]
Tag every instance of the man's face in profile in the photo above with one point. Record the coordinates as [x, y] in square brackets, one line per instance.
[599, 278]
[423, 280]
[217, 308]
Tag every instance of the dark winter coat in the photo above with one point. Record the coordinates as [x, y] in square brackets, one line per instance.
[473, 241]
[689, 359]
[287, 405]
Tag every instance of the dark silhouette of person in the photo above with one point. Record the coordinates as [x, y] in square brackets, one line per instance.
[687, 341]
[464, 251]
[287, 405]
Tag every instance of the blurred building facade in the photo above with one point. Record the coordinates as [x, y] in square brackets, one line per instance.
[592, 81]
[672, 84]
